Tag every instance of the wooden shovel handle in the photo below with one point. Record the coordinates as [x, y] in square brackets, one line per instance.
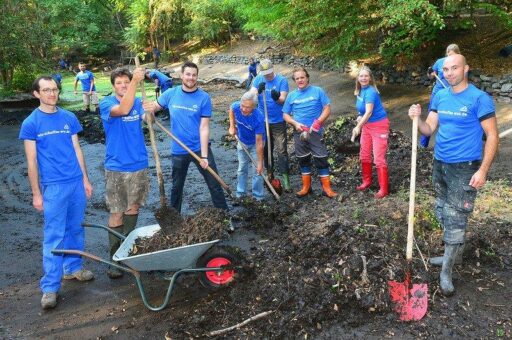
[267, 129]
[412, 190]
[272, 190]
[196, 157]
[158, 166]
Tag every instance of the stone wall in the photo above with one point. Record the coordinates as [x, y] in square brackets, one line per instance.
[500, 87]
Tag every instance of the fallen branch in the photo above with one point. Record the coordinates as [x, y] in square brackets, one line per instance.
[241, 324]
[364, 274]
[421, 255]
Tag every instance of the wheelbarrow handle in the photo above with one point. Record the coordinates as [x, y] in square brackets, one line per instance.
[110, 230]
[95, 258]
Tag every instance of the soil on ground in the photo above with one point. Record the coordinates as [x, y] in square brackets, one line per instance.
[319, 266]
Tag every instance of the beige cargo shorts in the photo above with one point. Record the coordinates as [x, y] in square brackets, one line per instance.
[124, 189]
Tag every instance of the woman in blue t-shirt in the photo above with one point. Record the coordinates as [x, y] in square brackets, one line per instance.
[373, 125]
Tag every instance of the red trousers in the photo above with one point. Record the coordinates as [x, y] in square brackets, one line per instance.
[374, 138]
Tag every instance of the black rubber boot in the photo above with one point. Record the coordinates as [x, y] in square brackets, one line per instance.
[445, 279]
[437, 261]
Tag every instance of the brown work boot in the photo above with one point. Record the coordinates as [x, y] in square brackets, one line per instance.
[306, 186]
[80, 275]
[49, 300]
[326, 187]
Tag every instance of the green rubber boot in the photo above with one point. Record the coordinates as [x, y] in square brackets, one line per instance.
[129, 223]
[114, 243]
[286, 182]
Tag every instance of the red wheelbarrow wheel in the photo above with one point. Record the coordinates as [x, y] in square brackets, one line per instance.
[214, 258]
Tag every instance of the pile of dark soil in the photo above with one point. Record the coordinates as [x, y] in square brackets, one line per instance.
[321, 258]
[207, 225]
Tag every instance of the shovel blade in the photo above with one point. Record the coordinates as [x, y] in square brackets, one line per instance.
[409, 302]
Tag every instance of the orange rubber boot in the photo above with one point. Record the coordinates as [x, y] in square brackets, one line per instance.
[326, 186]
[306, 186]
[366, 172]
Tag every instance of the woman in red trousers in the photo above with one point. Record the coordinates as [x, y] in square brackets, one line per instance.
[373, 125]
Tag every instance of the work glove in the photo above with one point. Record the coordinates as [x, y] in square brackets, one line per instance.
[261, 88]
[275, 95]
[316, 126]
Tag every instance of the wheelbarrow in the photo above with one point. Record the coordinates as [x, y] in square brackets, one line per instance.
[215, 266]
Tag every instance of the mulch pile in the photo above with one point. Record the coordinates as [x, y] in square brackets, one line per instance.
[207, 225]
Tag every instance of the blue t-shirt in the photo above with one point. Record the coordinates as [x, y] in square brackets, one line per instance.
[438, 67]
[369, 95]
[56, 156]
[124, 139]
[306, 105]
[186, 110]
[459, 136]
[86, 78]
[164, 82]
[275, 110]
[248, 126]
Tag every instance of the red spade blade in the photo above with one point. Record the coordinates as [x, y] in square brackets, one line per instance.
[409, 302]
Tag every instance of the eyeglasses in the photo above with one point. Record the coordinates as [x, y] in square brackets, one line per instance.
[48, 91]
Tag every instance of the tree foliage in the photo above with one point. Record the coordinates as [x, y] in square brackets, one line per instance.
[212, 21]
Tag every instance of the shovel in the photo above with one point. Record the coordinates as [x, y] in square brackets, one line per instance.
[197, 158]
[269, 185]
[168, 218]
[410, 301]
[276, 183]
[159, 175]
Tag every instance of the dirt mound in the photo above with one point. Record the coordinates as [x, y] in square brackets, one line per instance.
[321, 258]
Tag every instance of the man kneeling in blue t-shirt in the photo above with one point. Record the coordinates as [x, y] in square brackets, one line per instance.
[126, 158]
[250, 130]
[462, 114]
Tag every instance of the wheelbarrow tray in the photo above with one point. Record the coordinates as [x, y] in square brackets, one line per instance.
[172, 259]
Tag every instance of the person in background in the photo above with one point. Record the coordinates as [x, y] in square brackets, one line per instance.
[307, 108]
[440, 83]
[156, 56]
[162, 82]
[373, 125]
[60, 186]
[253, 65]
[86, 79]
[126, 158]
[276, 89]
[246, 121]
[461, 114]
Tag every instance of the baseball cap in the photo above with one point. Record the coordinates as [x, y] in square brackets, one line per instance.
[266, 67]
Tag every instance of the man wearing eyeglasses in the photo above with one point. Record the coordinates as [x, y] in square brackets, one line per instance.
[60, 186]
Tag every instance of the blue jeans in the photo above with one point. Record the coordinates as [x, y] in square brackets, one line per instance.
[180, 165]
[64, 210]
[455, 198]
[243, 169]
